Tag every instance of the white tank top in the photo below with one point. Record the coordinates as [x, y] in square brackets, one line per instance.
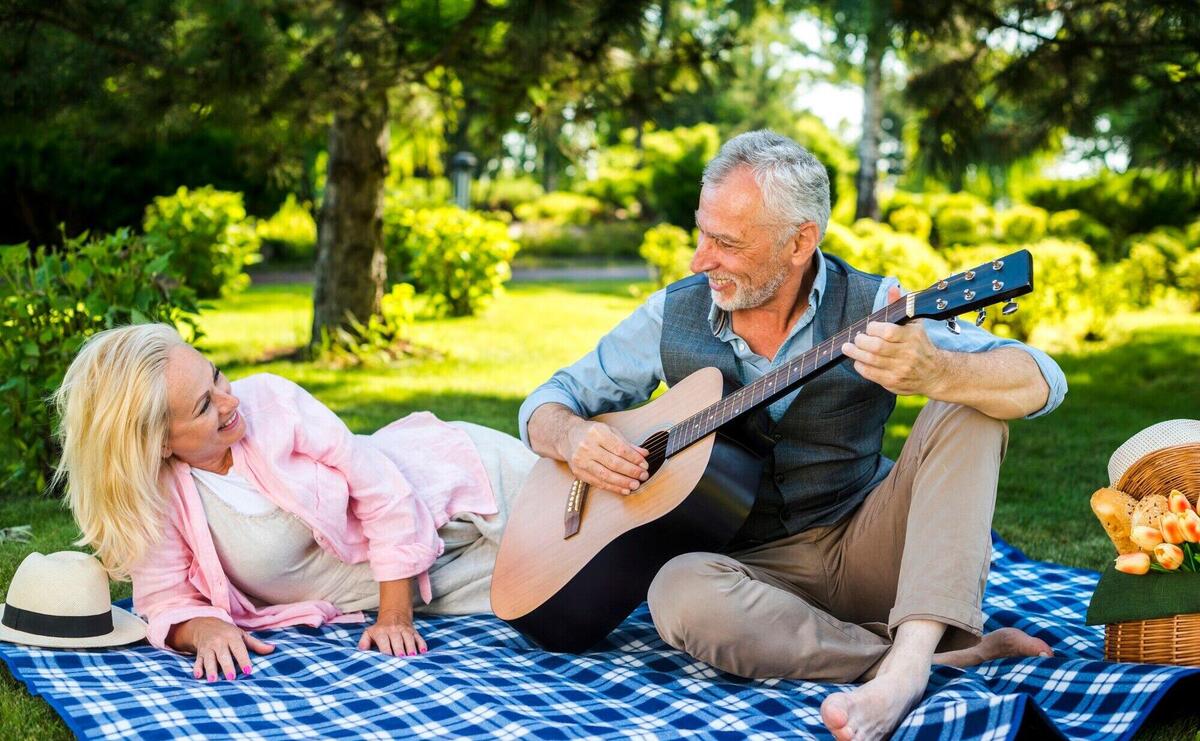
[271, 556]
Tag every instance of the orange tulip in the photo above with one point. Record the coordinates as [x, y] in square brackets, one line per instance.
[1133, 563]
[1146, 537]
[1178, 502]
[1168, 556]
[1191, 526]
[1172, 529]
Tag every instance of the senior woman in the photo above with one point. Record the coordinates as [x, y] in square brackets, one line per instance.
[249, 505]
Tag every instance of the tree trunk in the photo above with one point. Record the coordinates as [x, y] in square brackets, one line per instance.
[351, 269]
[867, 206]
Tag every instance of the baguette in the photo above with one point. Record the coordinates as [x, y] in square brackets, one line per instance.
[1114, 509]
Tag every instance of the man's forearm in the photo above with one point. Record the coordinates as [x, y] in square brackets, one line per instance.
[1004, 383]
[550, 425]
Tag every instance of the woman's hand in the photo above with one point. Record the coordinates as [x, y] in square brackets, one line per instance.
[393, 634]
[219, 646]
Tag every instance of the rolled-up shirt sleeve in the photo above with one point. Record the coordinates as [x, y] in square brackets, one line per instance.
[623, 370]
[975, 339]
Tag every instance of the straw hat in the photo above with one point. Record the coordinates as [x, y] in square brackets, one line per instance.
[1155, 437]
[61, 601]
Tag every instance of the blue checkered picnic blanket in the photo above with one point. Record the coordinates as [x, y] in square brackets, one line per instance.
[481, 678]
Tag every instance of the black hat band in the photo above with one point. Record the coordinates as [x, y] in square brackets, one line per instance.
[57, 626]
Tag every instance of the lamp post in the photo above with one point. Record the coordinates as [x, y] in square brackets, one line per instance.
[461, 167]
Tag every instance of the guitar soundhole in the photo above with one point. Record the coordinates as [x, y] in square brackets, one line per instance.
[657, 445]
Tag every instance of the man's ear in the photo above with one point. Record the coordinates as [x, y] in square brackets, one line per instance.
[804, 242]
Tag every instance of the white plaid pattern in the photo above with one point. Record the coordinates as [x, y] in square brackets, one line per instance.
[481, 679]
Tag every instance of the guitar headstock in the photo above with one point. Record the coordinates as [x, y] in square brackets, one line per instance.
[1001, 279]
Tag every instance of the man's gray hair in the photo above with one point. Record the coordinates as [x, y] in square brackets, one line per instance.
[794, 183]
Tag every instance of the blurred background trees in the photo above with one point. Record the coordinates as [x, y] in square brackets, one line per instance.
[320, 138]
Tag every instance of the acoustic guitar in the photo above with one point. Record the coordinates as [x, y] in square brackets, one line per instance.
[571, 566]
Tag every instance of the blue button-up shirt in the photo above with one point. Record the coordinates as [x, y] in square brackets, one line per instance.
[625, 368]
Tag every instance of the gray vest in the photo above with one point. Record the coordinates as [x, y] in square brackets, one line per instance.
[827, 444]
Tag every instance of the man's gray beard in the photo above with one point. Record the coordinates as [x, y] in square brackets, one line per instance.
[743, 299]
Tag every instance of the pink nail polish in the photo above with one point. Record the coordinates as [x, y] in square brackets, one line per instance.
[246, 670]
[212, 677]
[229, 676]
[424, 650]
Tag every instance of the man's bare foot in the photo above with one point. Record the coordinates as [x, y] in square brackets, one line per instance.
[875, 709]
[999, 644]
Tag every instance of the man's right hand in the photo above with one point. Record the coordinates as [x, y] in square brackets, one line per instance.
[601, 457]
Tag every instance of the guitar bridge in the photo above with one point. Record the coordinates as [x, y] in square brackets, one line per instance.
[574, 515]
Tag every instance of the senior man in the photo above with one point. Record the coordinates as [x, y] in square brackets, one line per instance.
[850, 567]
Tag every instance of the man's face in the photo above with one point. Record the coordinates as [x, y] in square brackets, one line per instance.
[738, 251]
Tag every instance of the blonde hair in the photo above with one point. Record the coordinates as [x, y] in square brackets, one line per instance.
[113, 422]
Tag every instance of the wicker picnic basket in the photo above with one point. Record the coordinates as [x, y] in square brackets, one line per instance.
[1168, 640]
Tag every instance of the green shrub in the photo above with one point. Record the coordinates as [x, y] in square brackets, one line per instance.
[675, 160]
[1152, 263]
[505, 193]
[601, 239]
[421, 193]
[50, 302]
[460, 259]
[382, 338]
[291, 234]
[882, 251]
[1133, 202]
[958, 225]
[1022, 224]
[1188, 272]
[1075, 225]
[617, 182]
[561, 208]
[911, 220]
[210, 239]
[668, 249]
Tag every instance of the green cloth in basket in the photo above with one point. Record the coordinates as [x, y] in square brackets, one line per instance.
[1120, 597]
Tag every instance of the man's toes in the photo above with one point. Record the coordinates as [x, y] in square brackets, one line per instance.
[835, 712]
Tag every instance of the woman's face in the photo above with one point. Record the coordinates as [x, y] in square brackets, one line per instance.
[205, 420]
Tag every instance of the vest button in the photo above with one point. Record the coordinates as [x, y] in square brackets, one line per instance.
[780, 478]
[777, 436]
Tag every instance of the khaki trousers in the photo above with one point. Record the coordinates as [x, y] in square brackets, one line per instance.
[823, 604]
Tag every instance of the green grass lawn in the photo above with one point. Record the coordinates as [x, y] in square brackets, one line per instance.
[486, 365]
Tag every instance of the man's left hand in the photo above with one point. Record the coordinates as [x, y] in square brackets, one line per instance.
[899, 358]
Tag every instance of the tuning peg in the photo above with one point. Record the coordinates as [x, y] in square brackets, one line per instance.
[952, 325]
[1009, 308]
[980, 315]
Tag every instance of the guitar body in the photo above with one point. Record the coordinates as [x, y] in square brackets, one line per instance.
[567, 593]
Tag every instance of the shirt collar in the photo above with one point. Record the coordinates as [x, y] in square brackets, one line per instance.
[719, 320]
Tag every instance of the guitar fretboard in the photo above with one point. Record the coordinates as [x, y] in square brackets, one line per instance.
[777, 383]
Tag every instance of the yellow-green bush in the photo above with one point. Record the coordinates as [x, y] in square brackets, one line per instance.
[1022, 224]
[669, 250]
[957, 225]
[1075, 225]
[878, 249]
[50, 302]
[607, 239]
[504, 193]
[1188, 272]
[382, 338]
[675, 160]
[561, 208]
[460, 259]
[290, 234]
[208, 235]
[1152, 263]
[911, 220]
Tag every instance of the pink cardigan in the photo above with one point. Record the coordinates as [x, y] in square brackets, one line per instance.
[378, 498]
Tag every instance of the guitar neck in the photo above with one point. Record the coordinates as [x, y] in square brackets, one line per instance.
[779, 382]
